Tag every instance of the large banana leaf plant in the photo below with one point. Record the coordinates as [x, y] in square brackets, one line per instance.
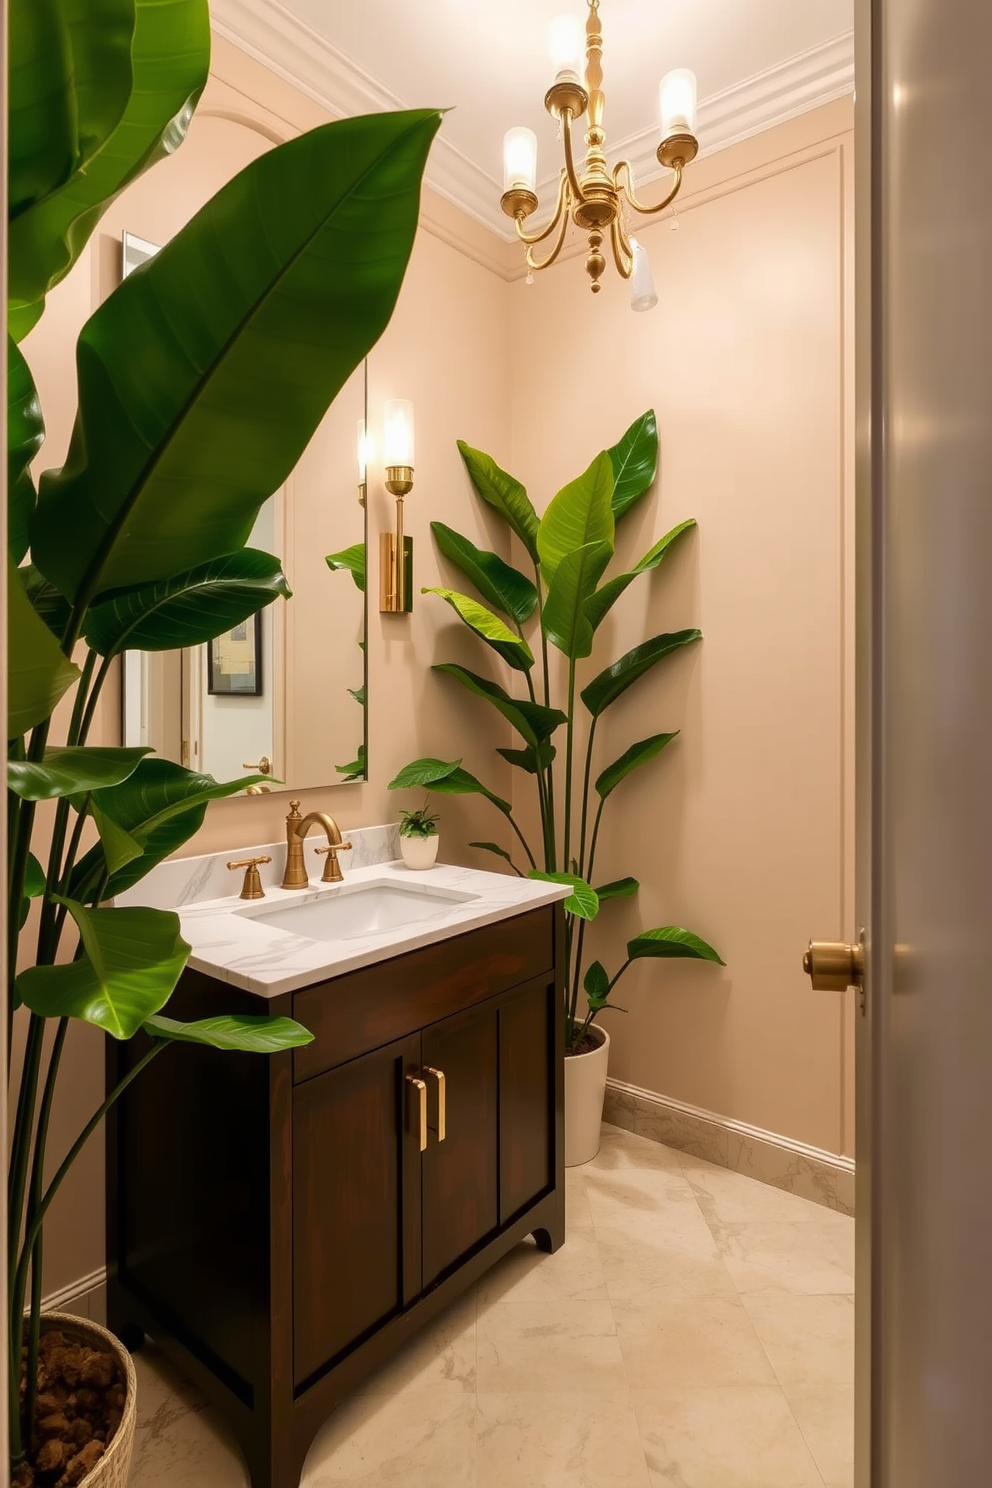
[570, 549]
[201, 380]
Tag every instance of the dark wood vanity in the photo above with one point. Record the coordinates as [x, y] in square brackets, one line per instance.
[282, 1225]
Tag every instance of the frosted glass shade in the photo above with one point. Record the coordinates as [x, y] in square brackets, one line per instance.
[643, 295]
[677, 102]
[565, 46]
[397, 439]
[519, 160]
[364, 449]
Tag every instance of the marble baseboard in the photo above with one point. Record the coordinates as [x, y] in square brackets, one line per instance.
[179, 882]
[85, 1298]
[806, 1171]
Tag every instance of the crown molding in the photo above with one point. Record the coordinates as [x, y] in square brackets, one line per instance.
[267, 31]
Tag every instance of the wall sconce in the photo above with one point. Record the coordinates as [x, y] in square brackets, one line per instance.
[396, 550]
[365, 453]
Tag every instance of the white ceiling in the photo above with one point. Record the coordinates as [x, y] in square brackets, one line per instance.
[757, 62]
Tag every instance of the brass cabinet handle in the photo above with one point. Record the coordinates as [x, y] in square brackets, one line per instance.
[441, 1101]
[421, 1089]
[264, 766]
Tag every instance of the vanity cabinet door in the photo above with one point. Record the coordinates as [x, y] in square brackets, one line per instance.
[356, 1202]
[460, 1174]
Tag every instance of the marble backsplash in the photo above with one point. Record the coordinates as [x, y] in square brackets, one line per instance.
[179, 882]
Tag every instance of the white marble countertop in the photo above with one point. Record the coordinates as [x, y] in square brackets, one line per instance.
[229, 943]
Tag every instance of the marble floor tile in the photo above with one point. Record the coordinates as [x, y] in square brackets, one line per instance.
[575, 1271]
[734, 1436]
[826, 1420]
[695, 1331]
[538, 1346]
[809, 1340]
[690, 1341]
[375, 1441]
[565, 1440]
[809, 1257]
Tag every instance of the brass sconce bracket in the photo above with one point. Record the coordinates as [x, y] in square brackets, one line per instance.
[396, 550]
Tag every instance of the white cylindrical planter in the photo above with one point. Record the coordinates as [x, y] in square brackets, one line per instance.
[585, 1091]
[419, 852]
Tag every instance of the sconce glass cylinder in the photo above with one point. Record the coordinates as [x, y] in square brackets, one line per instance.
[565, 46]
[397, 438]
[677, 102]
[643, 295]
[364, 450]
[519, 160]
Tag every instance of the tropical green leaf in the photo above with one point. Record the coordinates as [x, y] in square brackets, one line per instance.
[272, 294]
[188, 609]
[358, 693]
[564, 616]
[500, 852]
[423, 772]
[34, 887]
[248, 1033]
[599, 604]
[614, 681]
[504, 586]
[69, 769]
[504, 494]
[161, 806]
[580, 514]
[37, 672]
[670, 942]
[635, 463]
[42, 138]
[132, 961]
[513, 649]
[169, 61]
[637, 754]
[530, 759]
[25, 435]
[354, 560]
[596, 985]
[583, 901]
[532, 721]
[620, 888]
[356, 770]
[119, 847]
[45, 599]
[462, 783]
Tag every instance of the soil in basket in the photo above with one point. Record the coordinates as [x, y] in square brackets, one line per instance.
[80, 1404]
[584, 1046]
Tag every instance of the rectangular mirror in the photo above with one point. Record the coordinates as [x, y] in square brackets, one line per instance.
[284, 693]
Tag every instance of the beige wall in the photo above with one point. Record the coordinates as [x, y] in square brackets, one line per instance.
[741, 831]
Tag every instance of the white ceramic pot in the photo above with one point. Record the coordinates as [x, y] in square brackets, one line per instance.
[585, 1091]
[419, 852]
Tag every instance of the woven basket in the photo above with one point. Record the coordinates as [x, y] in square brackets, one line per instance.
[114, 1466]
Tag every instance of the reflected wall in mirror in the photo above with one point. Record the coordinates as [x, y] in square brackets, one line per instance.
[283, 693]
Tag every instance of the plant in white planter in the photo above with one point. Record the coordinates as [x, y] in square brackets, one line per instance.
[570, 549]
[419, 838]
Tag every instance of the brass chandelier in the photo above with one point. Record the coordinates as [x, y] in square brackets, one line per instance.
[597, 199]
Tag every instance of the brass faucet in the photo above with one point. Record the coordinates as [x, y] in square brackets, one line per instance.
[297, 827]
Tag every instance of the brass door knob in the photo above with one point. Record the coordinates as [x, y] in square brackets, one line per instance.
[833, 966]
[264, 766]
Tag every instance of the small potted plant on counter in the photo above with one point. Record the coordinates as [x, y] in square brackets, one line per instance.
[419, 837]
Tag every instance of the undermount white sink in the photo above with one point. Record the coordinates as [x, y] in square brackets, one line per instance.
[357, 909]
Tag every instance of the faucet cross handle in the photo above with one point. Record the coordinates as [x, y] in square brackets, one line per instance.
[332, 868]
[252, 886]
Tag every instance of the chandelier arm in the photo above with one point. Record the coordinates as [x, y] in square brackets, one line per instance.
[566, 137]
[622, 255]
[544, 263]
[560, 210]
[623, 168]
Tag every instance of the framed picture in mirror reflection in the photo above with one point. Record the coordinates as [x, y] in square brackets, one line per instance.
[234, 660]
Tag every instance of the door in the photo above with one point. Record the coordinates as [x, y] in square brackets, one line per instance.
[924, 1365]
[356, 1201]
[461, 1159]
